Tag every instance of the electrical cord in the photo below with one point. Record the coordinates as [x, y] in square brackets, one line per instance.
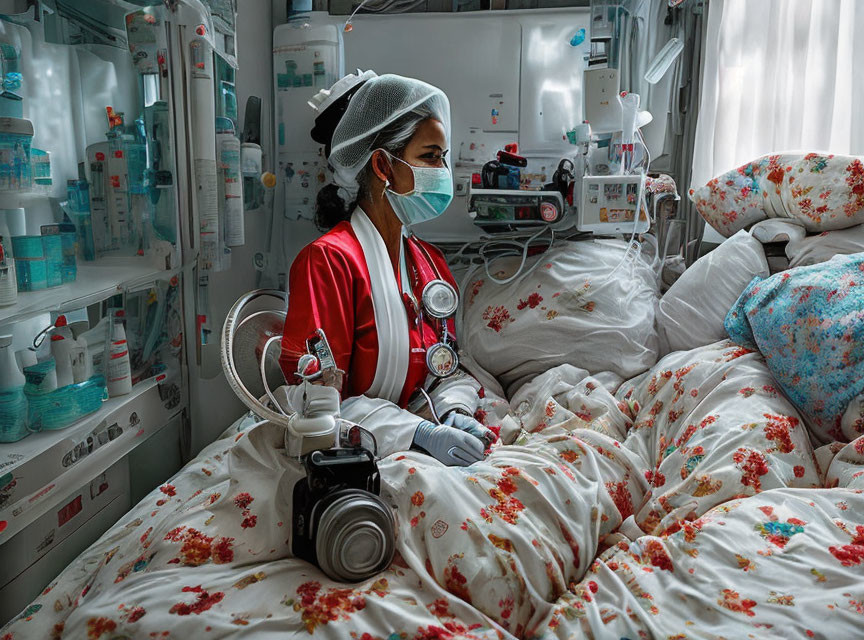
[525, 247]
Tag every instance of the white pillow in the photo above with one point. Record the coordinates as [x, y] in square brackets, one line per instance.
[777, 230]
[692, 312]
[581, 304]
[823, 247]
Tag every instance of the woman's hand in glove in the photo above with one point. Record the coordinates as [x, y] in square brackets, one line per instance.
[451, 446]
[470, 425]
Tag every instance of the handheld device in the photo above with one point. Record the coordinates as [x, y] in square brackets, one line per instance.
[318, 346]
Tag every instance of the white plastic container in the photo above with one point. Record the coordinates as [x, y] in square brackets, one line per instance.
[82, 364]
[25, 358]
[13, 402]
[62, 346]
[228, 149]
[118, 371]
[94, 342]
[10, 375]
[251, 159]
[61, 350]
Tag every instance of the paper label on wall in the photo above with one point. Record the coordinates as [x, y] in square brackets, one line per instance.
[206, 190]
[303, 175]
[298, 66]
[224, 259]
[500, 114]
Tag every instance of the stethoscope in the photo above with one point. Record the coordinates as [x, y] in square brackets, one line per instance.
[438, 300]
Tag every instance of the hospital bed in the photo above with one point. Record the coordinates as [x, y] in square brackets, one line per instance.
[685, 501]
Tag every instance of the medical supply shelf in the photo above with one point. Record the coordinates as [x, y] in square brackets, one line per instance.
[36, 473]
[96, 281]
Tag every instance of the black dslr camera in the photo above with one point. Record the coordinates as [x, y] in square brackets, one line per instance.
[339, 522]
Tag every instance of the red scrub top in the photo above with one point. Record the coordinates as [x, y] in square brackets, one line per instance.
[329, 288]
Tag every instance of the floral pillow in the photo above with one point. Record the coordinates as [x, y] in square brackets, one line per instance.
[823, 192]
[809, 325]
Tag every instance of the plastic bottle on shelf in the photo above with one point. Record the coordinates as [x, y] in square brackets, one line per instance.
[61, 351]
[117, 366]
[82, 364]
[13, 402]
[62, 328]
[42, 376]
[10, 375]
[231, 186]
[8, 282]
[62, 346]
[94, 342]
[25, 358]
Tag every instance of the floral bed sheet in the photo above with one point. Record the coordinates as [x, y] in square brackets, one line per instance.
[783, 564]
[704, 454]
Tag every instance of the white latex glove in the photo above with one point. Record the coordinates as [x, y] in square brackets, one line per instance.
[448, 445]
[469, 425]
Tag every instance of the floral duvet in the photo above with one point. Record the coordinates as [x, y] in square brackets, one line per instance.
[690, 504]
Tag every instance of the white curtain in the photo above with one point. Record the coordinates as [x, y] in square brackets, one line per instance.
[779, 75]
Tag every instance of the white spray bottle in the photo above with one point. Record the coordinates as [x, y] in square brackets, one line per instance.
[118, 371]
[62, 346]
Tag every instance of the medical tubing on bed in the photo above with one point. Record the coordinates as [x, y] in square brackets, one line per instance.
[456, 256]
[263, 372]
[448, 445]
[431, 406]
[524, 248]
[632, 242]
[642, 201]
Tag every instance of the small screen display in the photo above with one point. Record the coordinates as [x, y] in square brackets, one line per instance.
[610, 204]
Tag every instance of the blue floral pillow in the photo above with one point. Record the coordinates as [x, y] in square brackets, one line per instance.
[808, 323]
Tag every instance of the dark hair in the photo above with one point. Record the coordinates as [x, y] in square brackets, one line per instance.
[330, 208]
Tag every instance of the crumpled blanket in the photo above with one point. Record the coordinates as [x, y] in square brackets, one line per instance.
[784, 564]
[711, 426]
[506, 548]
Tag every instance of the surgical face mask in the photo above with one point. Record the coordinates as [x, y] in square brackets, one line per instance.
[432, 193]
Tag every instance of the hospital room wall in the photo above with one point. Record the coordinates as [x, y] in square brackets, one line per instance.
[487, 50]
[214, 405]
[515, 55]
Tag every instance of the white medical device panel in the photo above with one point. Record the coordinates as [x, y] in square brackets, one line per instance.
[610, 204]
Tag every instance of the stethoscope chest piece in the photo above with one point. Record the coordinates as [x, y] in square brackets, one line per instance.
[442, 360]
[440, 299]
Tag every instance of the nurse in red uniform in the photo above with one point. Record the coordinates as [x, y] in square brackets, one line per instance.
[384, 298]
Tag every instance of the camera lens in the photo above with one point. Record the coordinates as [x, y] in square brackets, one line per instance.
[355, 537]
